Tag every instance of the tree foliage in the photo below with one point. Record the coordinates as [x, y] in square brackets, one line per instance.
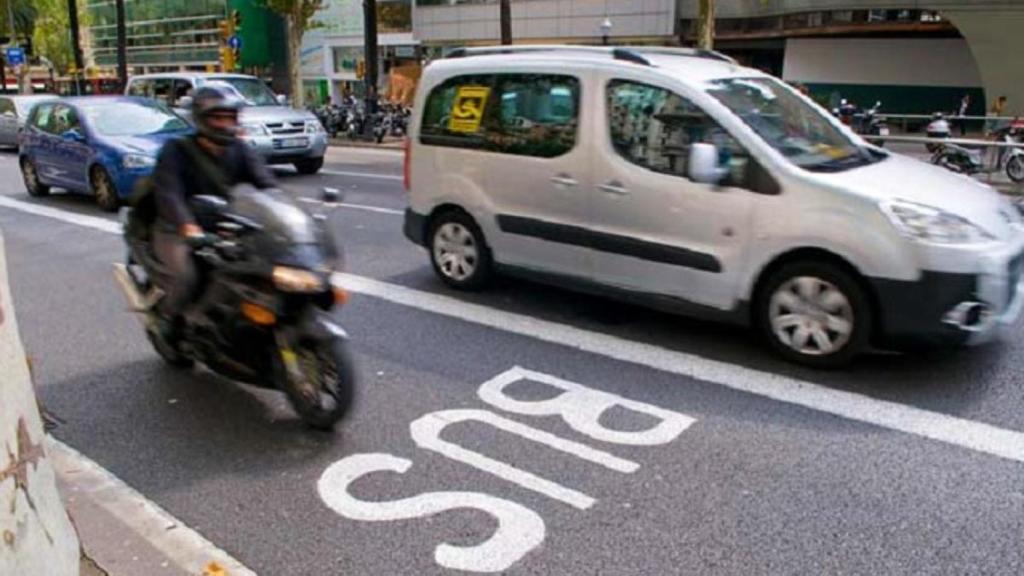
[299, 16]
[52, 36]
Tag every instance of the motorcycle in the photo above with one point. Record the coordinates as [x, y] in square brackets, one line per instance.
[1015, 156]
[873, 124]
[262, 316]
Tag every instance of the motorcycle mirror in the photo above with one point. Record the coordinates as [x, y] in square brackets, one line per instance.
[331, 196]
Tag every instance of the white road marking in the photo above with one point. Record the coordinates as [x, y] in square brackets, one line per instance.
[426, 433]
[179, 543]
[581, 408]
[519, 528]
[364, 207]
[362, 175]
[85, 220]
[977, 436]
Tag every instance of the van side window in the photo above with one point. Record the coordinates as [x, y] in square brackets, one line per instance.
[522, 114]
[655, 128]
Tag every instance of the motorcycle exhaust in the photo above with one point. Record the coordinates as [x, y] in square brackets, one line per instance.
[137, 302]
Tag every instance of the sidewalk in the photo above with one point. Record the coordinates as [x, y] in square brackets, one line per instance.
[124, 534]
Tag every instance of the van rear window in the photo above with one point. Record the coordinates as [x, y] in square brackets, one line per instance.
[522, 114]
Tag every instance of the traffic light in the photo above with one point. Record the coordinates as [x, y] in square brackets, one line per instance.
[225, 31]
[227, 58]
[360, 69]
[236, 20]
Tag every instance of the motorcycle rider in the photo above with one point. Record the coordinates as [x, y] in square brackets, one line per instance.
[210, 162]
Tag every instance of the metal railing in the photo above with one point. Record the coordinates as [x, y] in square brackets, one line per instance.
[905, 119]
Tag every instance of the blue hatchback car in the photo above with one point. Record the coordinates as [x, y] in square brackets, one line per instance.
[99, 145]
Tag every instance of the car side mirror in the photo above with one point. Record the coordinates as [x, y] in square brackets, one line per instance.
[703, 164]
[185, 102]
[73, 135]
[282, 99]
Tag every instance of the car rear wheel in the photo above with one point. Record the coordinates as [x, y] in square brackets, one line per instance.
[814, 313]
[33, 185]
[104, 190]
[311, 166]
[458, 251]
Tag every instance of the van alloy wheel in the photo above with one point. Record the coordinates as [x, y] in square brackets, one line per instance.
[811, 316]
[455, 251]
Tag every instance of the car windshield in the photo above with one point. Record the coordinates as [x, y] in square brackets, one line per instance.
[121, 118]
[252, 90]
[789, 124]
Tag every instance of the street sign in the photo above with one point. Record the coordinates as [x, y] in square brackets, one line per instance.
[235, 42]
[15, 56]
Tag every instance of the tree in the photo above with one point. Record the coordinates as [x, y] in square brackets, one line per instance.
[706, 25]
[25, 15]
[298, 15]
[52, 37]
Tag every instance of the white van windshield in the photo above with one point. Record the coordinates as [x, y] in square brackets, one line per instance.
[789, 124]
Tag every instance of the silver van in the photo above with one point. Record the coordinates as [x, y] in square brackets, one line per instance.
[280, 133]
[682, 180]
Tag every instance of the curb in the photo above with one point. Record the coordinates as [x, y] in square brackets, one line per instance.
[343, 143]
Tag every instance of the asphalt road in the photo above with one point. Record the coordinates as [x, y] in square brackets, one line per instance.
[734, 463]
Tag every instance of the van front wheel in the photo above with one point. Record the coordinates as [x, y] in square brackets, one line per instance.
[458, 251]
[814, 313]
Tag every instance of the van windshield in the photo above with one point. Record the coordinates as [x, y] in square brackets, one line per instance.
[789, 124]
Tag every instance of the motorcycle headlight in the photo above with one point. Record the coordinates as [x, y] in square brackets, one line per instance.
[135, 161]
[933, 225]
[314, 127]
[251, 130]
[296, 280]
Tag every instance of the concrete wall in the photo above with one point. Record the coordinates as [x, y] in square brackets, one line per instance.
[538, 20]
[894, 61]
[36, 536]
[997, 41]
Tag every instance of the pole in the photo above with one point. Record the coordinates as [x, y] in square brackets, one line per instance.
[370, 56]
[122, 48]
[506, 22]
[76, 44]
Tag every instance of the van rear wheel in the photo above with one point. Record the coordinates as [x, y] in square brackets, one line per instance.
[815, 314]
[458, 251]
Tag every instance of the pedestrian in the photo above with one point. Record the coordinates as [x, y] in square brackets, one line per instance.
[997, 109]
[965, 105]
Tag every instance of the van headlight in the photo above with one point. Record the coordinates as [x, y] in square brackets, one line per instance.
[136, 161]
[252, 130]
[933, 225]
[295, 280]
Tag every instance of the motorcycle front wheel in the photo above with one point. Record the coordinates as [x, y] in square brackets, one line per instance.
[950, 162]
[319, 378]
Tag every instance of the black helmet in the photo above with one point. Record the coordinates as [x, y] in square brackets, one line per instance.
[210, 100]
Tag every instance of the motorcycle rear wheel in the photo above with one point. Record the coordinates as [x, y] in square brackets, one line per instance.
[326, 387]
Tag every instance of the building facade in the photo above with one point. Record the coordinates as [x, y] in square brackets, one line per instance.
[172, 35]
[333, 54]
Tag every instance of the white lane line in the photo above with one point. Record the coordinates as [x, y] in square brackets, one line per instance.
[179, 543]
[64, 216]
[365, 207]
[961, 432]
[362, 175]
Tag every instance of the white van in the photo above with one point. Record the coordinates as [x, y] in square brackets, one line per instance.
[679, 179]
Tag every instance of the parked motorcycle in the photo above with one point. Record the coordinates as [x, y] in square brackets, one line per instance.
[262, 318]
[874, 124]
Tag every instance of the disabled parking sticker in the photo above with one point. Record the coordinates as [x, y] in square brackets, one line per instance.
[468, 109]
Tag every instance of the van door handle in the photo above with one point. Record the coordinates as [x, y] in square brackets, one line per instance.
[614, 187]
[564, 180]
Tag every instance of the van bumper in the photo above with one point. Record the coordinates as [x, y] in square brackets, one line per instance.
[415, 227]
[948, 309]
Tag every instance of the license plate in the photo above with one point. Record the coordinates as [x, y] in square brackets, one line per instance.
[883, 131]
[294, 143]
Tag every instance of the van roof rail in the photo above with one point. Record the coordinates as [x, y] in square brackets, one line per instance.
[633, 54]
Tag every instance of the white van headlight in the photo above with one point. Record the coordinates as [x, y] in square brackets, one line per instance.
[933, 225]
